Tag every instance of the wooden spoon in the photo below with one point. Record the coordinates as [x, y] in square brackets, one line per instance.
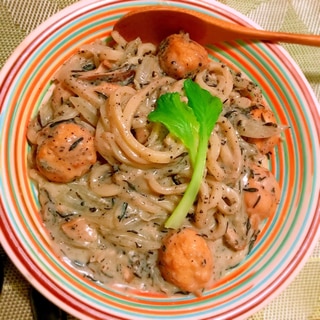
[154, 23]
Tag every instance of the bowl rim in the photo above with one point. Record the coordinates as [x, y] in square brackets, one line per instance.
[77, 9]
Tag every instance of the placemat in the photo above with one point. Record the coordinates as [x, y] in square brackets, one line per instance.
[301, 299]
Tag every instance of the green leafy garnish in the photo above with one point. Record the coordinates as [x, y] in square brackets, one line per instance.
[192, 123]
[179, 119]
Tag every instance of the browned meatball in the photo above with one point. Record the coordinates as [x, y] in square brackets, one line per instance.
[185, 260]
[65, 151]
[262, 195]
[180, 57]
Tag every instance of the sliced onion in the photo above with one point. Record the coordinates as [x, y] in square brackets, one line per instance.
[251, 128]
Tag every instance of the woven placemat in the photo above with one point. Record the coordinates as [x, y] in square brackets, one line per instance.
[301, 300]
[15, 295]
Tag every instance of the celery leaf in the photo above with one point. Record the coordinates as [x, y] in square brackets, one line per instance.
[179, 119]
[192, 123]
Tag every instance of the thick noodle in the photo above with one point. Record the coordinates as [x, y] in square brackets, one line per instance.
[108, 223]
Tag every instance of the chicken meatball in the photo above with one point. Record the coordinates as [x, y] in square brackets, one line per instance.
[65, 151]
[185, 260]
[180, 57]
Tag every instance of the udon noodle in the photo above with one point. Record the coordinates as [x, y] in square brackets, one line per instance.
[108, 178]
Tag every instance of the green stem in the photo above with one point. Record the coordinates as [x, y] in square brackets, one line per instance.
[183, 207]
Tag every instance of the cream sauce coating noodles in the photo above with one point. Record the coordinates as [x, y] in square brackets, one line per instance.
[108, 178]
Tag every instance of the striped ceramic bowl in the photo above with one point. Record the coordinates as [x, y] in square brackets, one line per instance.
[288, 236]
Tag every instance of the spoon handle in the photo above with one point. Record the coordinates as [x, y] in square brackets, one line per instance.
[247, 33]
[148, 23]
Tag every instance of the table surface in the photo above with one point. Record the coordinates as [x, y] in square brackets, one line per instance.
[301, 299]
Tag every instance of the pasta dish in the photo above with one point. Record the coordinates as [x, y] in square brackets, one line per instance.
[109, 177]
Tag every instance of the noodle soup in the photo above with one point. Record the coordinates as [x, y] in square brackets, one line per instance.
[109, 178]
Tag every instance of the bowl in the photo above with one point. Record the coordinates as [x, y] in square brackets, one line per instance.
[285, 241]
